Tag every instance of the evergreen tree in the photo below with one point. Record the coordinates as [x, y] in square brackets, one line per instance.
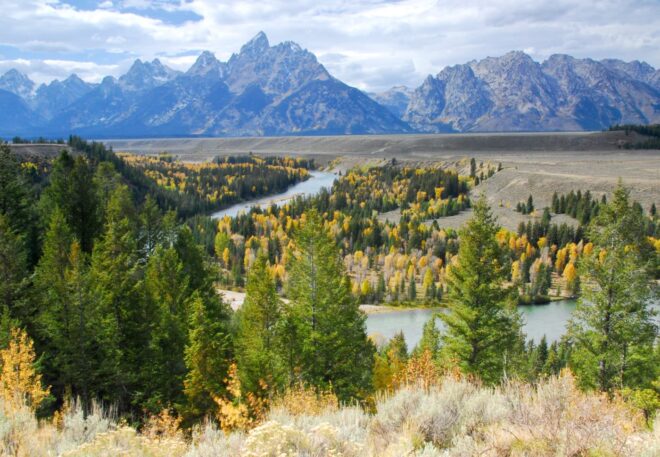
[52, 287]
[390, 360]
[13, 273]
[17, 204]
[167, 292]
[412, 290]
[612, 327]
[259, 355]
[72, 189]
[123, 331]
[430, 340]
[207, 355]
[530, 205]
[151, 232]
[483, 326]
[333, 347]
[81, 350]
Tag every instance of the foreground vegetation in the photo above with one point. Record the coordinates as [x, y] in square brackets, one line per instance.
[108, 303]
[447, 416]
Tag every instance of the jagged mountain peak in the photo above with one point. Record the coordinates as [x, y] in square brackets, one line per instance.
[17, 83]
[276, 70]
[513, 92]
[207, 64]
[144, 75]
[257, 45]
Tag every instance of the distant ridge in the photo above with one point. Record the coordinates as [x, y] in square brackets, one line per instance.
[266, 90]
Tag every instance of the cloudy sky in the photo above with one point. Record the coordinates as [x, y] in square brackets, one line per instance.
[371, 44]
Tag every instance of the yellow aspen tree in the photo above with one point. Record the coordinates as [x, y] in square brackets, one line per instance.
[428, 279]
[365, 288]
[588, 249]
[515, 271]
[570, 274]
[20, 383]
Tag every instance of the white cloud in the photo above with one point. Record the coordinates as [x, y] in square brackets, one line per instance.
[371, 44]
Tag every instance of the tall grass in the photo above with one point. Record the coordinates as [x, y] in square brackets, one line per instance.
[453, 417]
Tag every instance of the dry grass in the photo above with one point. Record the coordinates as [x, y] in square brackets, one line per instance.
[453, 417]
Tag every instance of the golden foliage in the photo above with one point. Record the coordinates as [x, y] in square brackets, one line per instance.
[304, 400]
[420, 371]
[164, 425]
[20, 382]
[239, 412]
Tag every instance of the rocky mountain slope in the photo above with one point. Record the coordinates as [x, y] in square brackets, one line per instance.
[262, 90]
[515, 93]
[283, 90]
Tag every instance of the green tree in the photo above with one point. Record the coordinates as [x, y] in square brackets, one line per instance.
[166, 287]
[207, 355]
[482, 325]
[430, 340]
[81, 349]
[13, 273]
[333, 348]
[412, 290]
[72, 189]
[612, 327]
[123, 329]
[17, 203]
[259, 355]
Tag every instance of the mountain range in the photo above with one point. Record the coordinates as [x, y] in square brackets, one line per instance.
[284, 90]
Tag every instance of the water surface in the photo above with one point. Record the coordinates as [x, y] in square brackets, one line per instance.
[549, 320]
[312, 186]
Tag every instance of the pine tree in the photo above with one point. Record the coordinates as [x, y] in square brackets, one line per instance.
[82, 346]
[612, 326]
[207, 355]
[13, 273]
[73, 191]
[167, 290]
[259, 354]
[17, 204]
[123, 330]
[412, 289]
[530, 205]
[333, 347]
[483, 326]
[430, 340]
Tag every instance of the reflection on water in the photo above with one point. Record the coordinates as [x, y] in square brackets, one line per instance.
[549, 320]
[317, 181]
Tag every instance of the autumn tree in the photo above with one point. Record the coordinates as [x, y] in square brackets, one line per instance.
[20, 381]
[482, 325]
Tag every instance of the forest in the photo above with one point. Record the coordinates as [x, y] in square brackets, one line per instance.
[109, 302]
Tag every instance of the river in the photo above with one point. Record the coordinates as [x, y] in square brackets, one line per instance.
[311, 186]
[549, 320]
